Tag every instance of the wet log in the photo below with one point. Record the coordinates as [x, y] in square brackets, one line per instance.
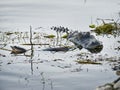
[34, 44]
[57, 49]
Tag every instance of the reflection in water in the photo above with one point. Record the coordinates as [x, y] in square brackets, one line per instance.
[32, 50]
[85, 1]
[44, 81]
[0, 64]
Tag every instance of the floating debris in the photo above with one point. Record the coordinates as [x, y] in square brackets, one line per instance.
[2, 55]
[57, 49]
[58, 60]
[17, 50]
[35, 44]
[117, 48]
[116, 68]
[8, 33]
[9, 63]
[87, 61]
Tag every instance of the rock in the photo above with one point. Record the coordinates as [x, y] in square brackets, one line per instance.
[85, 40]
[118, 73]
[117, 86]
[105, 87]
[116, 67]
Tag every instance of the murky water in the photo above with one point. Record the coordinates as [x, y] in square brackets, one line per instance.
[49, 70]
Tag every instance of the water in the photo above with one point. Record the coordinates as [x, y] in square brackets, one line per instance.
[77, 14]
[16, 72]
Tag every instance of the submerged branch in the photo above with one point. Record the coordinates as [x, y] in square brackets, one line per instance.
[5, 49]
[31, 49]
[34, 44]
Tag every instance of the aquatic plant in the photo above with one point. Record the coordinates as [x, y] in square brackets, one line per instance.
[92, 26]
[105, 29]
[60, 29]
[50, 36]
[65, 36]
[87, 61]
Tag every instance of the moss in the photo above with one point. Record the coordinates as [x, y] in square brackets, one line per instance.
[105, 29]
[50, 36]
[87, 61]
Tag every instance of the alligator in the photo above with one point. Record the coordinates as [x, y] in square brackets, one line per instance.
[85, 40]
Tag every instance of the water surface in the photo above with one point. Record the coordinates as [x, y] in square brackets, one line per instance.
[16, 72]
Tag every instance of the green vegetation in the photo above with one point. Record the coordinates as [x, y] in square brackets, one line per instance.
[92, 26]
[50, 36]
[105, 29]
[87, 61]
[65, 36]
